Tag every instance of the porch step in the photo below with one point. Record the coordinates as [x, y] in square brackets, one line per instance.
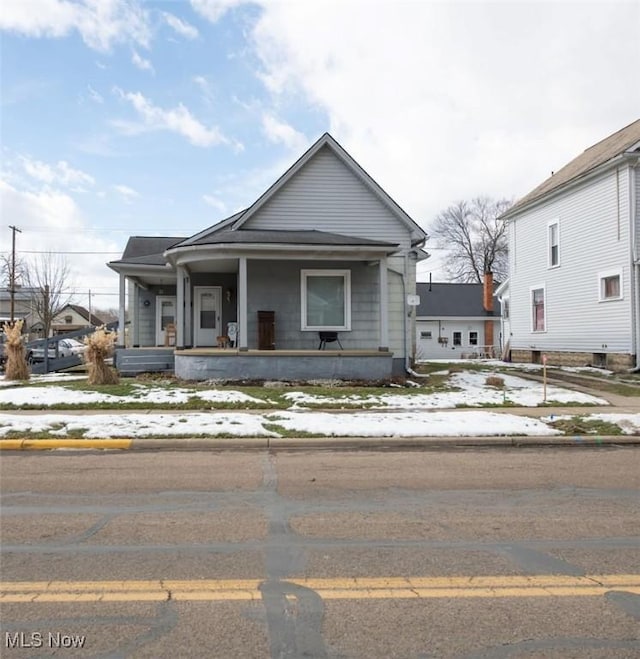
[133, 361]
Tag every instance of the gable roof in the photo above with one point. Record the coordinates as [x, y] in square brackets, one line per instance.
[83, 313]
[450, 299]
[626, 140]
[146, 250]
[418, 235]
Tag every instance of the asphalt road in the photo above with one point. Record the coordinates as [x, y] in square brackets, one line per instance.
[467, 553]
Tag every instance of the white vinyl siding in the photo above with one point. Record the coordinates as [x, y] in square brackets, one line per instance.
[444, 328]
[594, 238]
[327, 196]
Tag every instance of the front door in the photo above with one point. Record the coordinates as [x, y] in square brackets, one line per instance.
[206, 311]
[165, 315]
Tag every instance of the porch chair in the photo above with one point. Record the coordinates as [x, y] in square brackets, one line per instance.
[328, 337]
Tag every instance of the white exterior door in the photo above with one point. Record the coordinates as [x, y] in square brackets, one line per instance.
[165, 315]
[206, 311]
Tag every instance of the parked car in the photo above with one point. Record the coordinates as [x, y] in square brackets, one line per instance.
[66, 348]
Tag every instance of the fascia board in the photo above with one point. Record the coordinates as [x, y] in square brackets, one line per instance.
[188, 255]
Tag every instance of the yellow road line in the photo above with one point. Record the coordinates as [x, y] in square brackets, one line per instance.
[46, 444]
[357, 588]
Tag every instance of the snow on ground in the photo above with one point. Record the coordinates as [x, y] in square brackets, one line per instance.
[242, 424]
[406, 414]
[56, 395]
[412, 424]
[48, 377]
[137, 425]
[473, 392]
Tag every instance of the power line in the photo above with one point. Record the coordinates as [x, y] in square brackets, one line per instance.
[50, 251]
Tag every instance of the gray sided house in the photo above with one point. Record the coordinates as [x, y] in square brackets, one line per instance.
[310, 281]
[574, 260]
[457, 321]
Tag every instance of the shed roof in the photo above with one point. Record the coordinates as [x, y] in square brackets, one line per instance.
[451, 299]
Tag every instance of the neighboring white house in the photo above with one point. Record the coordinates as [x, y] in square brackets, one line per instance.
[324, 256]
[574, 260]
[456, 321]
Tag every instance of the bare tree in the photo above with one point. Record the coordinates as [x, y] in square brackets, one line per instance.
[7, 268]
[475, 238]
[49, 276]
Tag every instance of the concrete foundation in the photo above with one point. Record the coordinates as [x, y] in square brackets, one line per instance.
[613, 361]
[283, 365]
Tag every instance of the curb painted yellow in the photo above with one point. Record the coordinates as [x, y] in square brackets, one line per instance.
[48, 444]
[327, 589]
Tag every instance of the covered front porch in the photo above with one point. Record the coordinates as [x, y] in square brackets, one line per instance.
[249, 310]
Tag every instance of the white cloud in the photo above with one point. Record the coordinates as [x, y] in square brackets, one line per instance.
[100, 23]
[127, 193]
[142, 63]
[94, 95]
[47, 218]
[216, 203]
[177, 120]
[206, 88]
[213, 10]
[59, 174]
[445, 101]
[280, 132]
[181, 27]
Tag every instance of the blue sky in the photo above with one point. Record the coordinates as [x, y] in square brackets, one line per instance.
[125, 117]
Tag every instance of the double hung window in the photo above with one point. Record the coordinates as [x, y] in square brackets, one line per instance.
[538, 317]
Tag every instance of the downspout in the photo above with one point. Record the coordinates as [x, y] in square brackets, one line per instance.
[407, 364]
[635, 283]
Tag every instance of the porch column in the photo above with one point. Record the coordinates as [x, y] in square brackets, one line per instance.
[121, 311]
[188, 311]
[180, 307]
[242, 303]
[134, 324]
[383, 284]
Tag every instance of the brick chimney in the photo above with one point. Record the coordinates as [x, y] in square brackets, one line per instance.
[487, 297]
[487, 303]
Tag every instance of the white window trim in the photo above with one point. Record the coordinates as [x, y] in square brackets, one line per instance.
[551, 223]
[453, 333]
[542, 287]
[477, 343]
[601, 277]
[346, 274]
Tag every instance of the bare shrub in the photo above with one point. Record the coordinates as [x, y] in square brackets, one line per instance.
[99, 348]
[16, 368]
[495, 381]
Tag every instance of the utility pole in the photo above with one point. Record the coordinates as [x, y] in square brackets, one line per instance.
[12, 274]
